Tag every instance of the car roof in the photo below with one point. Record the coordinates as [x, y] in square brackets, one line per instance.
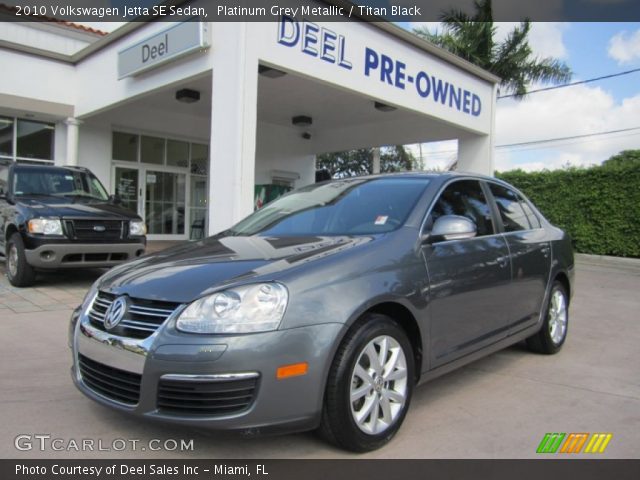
[30, 166]
[423, 174]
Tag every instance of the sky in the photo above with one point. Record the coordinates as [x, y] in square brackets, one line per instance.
[591, 50]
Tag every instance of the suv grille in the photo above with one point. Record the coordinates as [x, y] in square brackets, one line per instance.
[110, 382]
[206, 397]
[101, 231]
[142, 318]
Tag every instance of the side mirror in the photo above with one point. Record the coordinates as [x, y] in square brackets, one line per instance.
[115, 199]
[451, 227]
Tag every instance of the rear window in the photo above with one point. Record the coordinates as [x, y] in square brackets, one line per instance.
[513, 216]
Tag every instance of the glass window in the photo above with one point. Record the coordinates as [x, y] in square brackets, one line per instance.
[464, 198]
[199, 159]
[6, 136]
[511, 212]
[35, 139]
[57, 182]
[177, 153]
[125, 147]
[533, 218]
[152, 150]
[348, 207]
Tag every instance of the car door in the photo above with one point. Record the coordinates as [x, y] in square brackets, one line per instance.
[530, 255]
[468, 279]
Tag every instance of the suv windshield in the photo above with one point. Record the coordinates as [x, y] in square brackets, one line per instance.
[57, 182]
[346, 207]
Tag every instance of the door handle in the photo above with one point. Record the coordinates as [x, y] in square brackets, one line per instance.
[503, 261]
[545, 251]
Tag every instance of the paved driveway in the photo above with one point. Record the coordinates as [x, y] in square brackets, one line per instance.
[498, 407]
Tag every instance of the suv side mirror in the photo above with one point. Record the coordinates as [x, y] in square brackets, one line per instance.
[451, 227]
[115, 199]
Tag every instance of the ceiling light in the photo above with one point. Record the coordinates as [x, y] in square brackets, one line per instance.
[383, 107]
[302, 121]
[270, 72]
[186, 95]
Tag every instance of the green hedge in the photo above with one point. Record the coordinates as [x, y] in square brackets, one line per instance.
[599, 206]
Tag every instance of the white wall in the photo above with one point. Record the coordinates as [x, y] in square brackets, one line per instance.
[45, 36]
[282, 148]
[36, 78]
[94, 151]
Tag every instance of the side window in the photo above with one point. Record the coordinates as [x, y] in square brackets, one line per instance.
[513, 216]
[533, 218]
[464, 198]
[4, 175]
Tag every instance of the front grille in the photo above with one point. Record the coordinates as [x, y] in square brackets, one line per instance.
[142, 318]
[97, 231]
[206, 397]
[110, 382]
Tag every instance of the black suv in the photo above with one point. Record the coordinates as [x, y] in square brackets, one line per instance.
[62, 217]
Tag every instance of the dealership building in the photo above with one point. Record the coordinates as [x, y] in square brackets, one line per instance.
[186, 121]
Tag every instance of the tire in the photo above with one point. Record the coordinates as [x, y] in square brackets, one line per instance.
[19, 272]
[553, 333]
[380, 405]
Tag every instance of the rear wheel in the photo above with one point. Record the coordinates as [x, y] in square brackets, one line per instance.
[553, 333]
[19, 272]
[369, 386]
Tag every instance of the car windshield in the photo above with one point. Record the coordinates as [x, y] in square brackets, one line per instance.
[57, 182]
[346, 207]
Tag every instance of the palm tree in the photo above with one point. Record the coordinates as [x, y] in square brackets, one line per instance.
[472, 38]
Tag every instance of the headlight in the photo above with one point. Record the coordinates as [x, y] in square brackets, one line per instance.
[46, 226]
[246, 309]
[137, 228]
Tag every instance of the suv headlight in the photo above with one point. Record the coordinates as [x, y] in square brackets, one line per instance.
[246, 309]
[45, 226]
[137, 228]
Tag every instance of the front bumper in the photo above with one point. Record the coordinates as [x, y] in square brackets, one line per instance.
[77, 255]
[290, 404]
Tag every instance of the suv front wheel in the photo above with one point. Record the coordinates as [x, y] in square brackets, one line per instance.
[19, 272]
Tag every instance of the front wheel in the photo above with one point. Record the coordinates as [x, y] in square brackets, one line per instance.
[19, 272]
[553, 333]
[369, 386]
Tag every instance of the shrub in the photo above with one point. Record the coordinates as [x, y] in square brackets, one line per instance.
[598, 206]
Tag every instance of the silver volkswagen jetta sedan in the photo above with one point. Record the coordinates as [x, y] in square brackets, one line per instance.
[324, 309]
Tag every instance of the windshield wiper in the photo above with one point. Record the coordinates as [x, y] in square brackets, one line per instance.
[34, 194]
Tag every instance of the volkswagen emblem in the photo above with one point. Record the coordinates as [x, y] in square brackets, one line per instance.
[115, 313]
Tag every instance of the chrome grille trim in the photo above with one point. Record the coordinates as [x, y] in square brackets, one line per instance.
[140, 320]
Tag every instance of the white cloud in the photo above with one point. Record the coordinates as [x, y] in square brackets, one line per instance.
[579, 110]
[624, 47]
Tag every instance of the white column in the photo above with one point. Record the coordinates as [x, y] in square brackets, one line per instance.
[475, 154]
[233, 128]
[73, 128]
[376, 160]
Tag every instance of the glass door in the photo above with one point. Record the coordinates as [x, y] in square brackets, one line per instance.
[127, 187]
[165, 198]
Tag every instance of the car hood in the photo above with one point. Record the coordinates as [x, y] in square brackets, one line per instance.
[186, 272]
[66, 208]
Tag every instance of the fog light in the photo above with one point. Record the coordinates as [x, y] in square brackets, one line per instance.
[48, 255]
[293, 370]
